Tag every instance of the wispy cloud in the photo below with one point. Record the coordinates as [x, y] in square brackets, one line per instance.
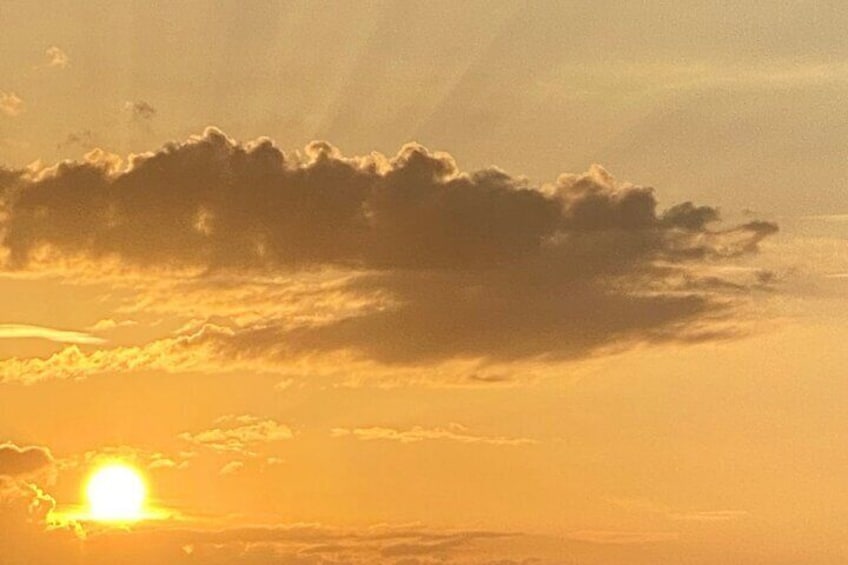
[647, 506]
[108, 324]
[231, 468]
[185, 544]
[709, 515]
[829, 218]
[453, 432]
[239, 434]
[621, 537]
[24, 331]
[141, 457]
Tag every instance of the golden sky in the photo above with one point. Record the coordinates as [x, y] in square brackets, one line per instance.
[417, 283]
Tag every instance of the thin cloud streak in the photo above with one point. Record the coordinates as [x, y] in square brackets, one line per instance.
[25, 331]
[453, 432]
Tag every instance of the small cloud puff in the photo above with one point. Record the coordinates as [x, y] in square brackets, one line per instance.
[57, 58]
[11, 104]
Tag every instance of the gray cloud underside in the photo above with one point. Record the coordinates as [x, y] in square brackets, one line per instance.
[476, 264]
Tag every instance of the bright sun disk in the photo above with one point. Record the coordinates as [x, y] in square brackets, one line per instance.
[116, 492]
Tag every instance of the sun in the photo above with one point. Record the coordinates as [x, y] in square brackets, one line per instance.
[116, 492]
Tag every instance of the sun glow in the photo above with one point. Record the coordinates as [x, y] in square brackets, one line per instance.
[116, 492]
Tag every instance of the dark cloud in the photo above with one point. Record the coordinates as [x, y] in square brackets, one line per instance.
[83, 139]
[28, 533]
[16, 461]
[214, 202]
[140, 109]
[474, 264]
[504, 316]
[690, 217]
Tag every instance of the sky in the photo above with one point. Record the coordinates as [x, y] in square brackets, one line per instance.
[418, 283]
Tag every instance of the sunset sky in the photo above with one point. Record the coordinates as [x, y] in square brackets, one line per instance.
[416, 283]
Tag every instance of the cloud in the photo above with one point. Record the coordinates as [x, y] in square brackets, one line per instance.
[22, 331]
[164, 463]
[83, 139]
[828, 218]
[239, 434]
[403, 260]
[453, 432]
[11, 104]
[437, 546]
[27, 520]
[140, 109]
[72, 363]
[216, 203]
[284, 544]
[183, 542]
[56, 58]
[231, 468]
[646, 506]
[23, 461]
[622, 537]
[108, 324]
[127, 454]
[28, 532]
[709, 515]
[28, 535]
